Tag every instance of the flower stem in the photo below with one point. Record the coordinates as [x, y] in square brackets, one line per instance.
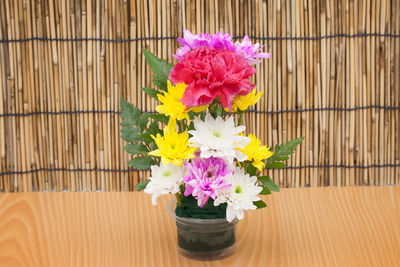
[240, 120]
[206, 205]
[178, 199]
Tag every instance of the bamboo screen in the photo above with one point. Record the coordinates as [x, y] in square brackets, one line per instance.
[333, 78]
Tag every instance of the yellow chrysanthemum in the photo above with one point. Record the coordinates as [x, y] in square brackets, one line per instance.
[256, 153]
[243, 102]
[173, 146]
[171, 104]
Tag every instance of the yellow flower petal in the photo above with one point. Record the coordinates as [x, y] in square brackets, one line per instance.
[259, 165]
[244, 102]
[173, 147]
[199, 108]
[256, 153]
[170, 102]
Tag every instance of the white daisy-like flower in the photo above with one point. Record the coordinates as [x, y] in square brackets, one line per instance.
[240, 196]
[219, 138]
[164, 179]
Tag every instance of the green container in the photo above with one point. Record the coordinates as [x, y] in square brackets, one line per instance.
[204, 239]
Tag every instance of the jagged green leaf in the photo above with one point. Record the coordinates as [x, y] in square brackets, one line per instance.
[129, 138]
[151, 92]
[129, 131]
[145, 137]
[135, 149]
[154, 129]
[141, 163]
[159, 117]
[129, 112]
[275, 165]
[282, 151]
[160, 69]
[144, 119]
[281, 158]
[127, 123]
[130, 134]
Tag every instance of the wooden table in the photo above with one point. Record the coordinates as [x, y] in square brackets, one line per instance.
[357, 226]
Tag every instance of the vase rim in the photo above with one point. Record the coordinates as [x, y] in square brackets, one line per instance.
[171, 211]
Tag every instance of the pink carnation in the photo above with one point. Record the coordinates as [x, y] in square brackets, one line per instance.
[211, 72]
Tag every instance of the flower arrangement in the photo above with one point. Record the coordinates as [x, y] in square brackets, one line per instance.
[202, 155]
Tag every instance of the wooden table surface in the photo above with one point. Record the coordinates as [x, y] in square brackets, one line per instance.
[357, 226]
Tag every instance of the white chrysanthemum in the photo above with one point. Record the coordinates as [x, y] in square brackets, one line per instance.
[240, 196]
[219, 138]
[164, 179]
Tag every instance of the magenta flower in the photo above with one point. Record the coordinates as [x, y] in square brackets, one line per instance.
[221, 41]
[250, 51]
[206, 176]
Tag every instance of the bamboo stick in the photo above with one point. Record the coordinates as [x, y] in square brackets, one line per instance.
[52, 76]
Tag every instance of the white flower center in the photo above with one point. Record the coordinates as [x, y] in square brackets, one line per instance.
[238, 189]
[166, 174]
[217, 134]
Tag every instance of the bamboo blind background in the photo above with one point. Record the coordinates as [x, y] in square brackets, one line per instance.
[333, 77]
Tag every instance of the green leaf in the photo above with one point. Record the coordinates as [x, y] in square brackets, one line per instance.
[130, 138]
[159, 117]
[129, 134]
[251, 170]
[271, 185]
[275, 165]
[144, 119]
[202, 115]
[141, 186]
[159, 68]
[153, 146]
[191, 115]
[265, 191]
[284, 150]
[126, 123]
[129, 112]
[191, 126]
[126, 107]
[129, 131]
[260, 204]
[219, 111]
[142, 163]
[134, 149]
[151, 92]
[146, 137]
[154, 129]
[281, 158]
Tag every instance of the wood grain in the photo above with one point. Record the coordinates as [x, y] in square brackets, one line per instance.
[355, 226]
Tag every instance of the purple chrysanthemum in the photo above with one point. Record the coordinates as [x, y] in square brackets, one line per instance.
[219, 40]
[206, 176]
